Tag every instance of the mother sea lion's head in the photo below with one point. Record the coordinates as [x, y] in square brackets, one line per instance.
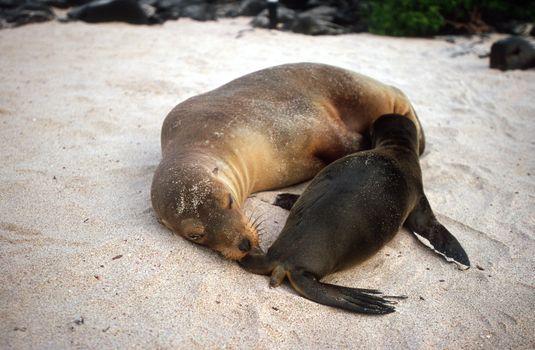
[193, 202]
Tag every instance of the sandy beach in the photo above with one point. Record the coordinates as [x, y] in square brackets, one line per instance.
[85, 264]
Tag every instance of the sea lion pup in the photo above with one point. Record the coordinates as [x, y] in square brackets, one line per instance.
[348, 212]
[268, 129]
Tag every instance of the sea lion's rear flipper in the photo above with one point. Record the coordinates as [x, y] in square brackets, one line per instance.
[286, 200]
[423, 223]
[352, 299]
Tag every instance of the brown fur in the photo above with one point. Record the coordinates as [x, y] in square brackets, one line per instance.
[266, 130]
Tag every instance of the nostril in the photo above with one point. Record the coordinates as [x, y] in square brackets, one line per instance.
[245, 245]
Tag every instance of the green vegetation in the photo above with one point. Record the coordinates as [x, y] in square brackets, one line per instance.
[429, 17]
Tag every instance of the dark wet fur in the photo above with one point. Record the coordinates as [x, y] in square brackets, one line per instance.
[348, 212]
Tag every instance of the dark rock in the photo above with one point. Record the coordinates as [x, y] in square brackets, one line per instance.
[129, 11]
[295, 4]
[162, 5]
[227, 9]
[515, 27]
[317, 21]
[28, 12]
[512, 53]
[322, 17]
[63, 4]
[251, 8]
[9, 4]
[167, 9]
[169, 14]
[199, 12]
[152, 3]
[352, 14]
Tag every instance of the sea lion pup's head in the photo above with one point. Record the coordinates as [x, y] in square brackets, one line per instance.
[393, 129]
[194, 202]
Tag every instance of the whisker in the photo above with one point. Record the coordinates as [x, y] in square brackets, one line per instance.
[251, 214]
[260, 231]
[254, 223]
[260, 223]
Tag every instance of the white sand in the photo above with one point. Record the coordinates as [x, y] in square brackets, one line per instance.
[81, 108]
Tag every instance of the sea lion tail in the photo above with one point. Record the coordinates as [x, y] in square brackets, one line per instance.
[365, 301]
[423, 223]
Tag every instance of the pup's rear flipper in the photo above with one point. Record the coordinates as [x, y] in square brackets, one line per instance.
[352, 299]
[423, 223]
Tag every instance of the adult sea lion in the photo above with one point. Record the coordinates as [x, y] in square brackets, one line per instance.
[268, 129]
[348, 212]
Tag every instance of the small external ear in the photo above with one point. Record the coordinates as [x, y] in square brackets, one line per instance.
[230, 201]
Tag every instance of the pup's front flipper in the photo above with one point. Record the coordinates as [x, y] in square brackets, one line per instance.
[352, 299]
[286, 200]
[256, 262]
[423, 223]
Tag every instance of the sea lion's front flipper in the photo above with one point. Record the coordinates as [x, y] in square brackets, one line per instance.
[423, 223]
[257, 262]
[352, 299]
[286, 200]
